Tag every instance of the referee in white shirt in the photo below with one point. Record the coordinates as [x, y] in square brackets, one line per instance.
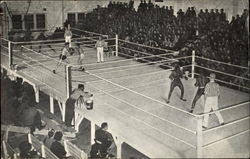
[212, 93]
[99, 49]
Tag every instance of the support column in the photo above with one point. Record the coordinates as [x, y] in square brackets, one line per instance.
[43, 151]
[68, 80]
[199, 143]
[51, 99]
[116, 45]
[193, 63]
[119, 147]
[36, 93]
[10, 51]
[92, 136]
[63, 111]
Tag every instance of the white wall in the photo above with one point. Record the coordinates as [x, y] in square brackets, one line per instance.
[57, 10]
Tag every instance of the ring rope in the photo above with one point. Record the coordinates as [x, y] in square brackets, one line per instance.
[146, 46]
[117, 61]
[227, 124]
[167, 134]
[228, 83]
[132, 105]
[88, 32]
[204, 58]
[224, 109]
[143, 95]
[132, 76]
[39, 65]
[42, 41]
[229, 137]
[143, 52]
[222, 72]
[45, 56]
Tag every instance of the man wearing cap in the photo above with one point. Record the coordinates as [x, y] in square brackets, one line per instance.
[70, 103]
[99, 48]
[212, 93]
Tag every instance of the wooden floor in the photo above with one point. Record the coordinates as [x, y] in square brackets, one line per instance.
[130, 96]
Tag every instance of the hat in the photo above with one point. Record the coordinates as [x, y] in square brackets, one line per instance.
[80, 86]
[212, 76]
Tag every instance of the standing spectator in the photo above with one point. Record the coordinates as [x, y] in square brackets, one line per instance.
[27, 152]
[28, 115]
[212, 93]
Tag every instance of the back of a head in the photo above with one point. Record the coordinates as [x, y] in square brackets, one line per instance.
[25, 147]
[81, 86]
[51, 133]
[104, 125]
[58, 136]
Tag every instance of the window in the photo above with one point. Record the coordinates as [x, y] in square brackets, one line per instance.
[29, 21]
[81, 17]
[72, 19]
[40, 21]
[17, 21]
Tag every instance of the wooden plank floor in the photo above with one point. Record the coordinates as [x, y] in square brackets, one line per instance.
[142, 122]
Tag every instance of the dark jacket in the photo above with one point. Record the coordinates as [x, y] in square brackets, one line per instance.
[58, 149]
[201, 81]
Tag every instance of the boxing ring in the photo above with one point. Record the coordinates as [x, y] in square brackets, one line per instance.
[130, 90]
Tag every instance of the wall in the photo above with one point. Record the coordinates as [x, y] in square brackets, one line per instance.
[57, 10]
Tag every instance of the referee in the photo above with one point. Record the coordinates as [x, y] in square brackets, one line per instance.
[212, 93]
[99, 49]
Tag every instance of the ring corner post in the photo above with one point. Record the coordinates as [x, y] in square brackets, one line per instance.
[199, 138]
[116, 45]
[193, 63]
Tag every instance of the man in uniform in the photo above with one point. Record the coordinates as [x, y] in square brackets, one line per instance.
[212, 93]
[99, 48]
[175, 77]
[201, 82]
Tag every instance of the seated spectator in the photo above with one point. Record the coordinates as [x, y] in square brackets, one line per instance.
[27, 152]
[57, 148]
[28, 116]
[48, 140]
[103, 137]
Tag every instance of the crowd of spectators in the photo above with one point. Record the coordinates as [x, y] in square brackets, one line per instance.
[18, 104]
[208, 32]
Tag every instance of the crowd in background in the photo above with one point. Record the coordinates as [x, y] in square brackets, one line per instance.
[208, 32]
